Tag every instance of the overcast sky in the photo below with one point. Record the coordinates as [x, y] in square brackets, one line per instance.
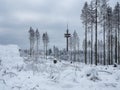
[16, 17]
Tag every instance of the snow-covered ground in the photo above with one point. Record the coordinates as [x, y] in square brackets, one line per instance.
[17, 73]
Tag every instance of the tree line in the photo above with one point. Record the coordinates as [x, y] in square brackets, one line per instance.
[100, 19]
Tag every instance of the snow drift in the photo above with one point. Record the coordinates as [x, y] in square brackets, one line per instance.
[16, 74]
[10, 56]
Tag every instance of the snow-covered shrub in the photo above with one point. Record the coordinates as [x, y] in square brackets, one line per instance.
[92, 74]
[54, 71]
[10, 56]
[117, 75]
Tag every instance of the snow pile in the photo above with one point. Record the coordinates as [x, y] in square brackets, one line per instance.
[92, 74]
[10, 56]
[117, 76]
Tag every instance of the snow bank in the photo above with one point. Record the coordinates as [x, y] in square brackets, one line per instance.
[10, 56]
[92, 74]
[49, 76]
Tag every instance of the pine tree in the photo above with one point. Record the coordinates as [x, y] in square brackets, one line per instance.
[75, 43]
[103, 13]
[71, 47]
[84, 17]
[116, 14]
[109, 24]
[96, 30]
[92, 20]
[45, 42]
[37, 42]
[32, 41]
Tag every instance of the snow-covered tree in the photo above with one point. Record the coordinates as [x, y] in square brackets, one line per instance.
[75, 45]
[85, 17]
[109, 33]
[37, 42]
[45, 42]
[32, 41]
[103, 12]
[116, 19]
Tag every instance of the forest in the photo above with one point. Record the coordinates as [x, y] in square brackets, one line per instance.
[101, 44]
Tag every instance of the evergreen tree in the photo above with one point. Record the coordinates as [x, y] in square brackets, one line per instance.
[32, 41]
[45, 42]
[116, 20]
[37, 42]
[85, 17]
[103, 12]
[109, 25]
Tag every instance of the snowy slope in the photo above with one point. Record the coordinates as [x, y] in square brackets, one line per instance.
[10, 56]
[19, 74]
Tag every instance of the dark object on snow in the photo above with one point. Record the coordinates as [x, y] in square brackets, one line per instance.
[54, 61]
[88, 74]
[115, 65]
[71, 62]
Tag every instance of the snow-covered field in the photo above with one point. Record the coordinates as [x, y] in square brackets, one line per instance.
[17, 73]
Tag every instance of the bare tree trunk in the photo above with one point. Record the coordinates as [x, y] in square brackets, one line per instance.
[96, 11]
[30, 48]
[91, 43]
[86, 43]
[104, 45]
[111, 49]
[108, 59]
[46, 51]
[116, 46]
[118, 38]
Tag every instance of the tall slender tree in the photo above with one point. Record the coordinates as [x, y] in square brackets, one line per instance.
[75, 44]
[37, 42]
[96, 30]
[103, 13]
[84, 17]
[116, 14]
[109, 24]
[32, 41]
[71, 47]
[92, 20]
[45, 42]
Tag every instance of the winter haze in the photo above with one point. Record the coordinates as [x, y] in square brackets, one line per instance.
[16, 17]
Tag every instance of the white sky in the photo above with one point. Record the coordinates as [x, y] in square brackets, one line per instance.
[16, 16]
